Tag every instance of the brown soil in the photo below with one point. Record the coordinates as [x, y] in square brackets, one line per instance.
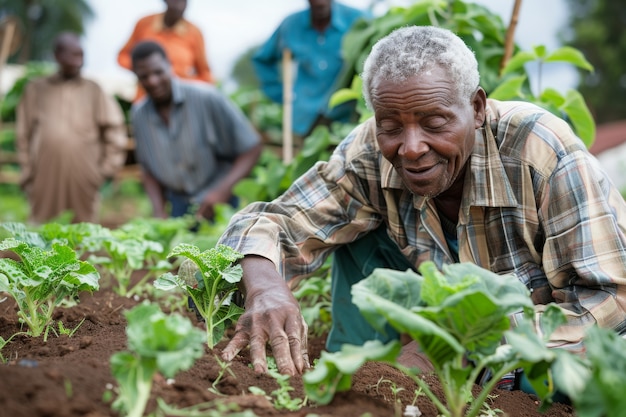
[70, 377]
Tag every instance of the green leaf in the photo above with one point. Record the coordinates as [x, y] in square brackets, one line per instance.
[518, 61]
[168, 282]
[333, 372]
[570, 55]
[510, 88]
[579, 115]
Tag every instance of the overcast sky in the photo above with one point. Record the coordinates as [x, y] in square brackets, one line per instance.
[230, 27]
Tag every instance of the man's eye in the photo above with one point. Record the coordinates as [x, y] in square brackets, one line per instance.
[435, 122]
[388, 128]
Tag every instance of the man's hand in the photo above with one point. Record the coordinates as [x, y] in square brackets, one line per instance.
[272, 316]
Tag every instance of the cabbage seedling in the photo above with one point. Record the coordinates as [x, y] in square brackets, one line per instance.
[459, 318]
[157, 342]
[210, 285]
[42, 279]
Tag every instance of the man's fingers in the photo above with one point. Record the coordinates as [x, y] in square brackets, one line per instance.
[238, 342]
[297, 337]
[257, 354]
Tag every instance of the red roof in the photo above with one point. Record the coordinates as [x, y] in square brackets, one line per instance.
[608, 136]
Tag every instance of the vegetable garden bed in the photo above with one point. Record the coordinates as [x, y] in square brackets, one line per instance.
[71, 376]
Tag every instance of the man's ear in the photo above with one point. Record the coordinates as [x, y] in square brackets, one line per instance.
[479, 102]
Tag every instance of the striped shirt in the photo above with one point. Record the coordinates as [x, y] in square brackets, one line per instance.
[535, 204]
[206, 133]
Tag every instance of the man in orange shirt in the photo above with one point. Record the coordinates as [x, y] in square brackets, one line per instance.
[181, 39]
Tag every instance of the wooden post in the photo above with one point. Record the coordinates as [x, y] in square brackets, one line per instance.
[287, 107]
[510, 34]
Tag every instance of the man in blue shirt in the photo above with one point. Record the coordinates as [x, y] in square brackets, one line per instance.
[314, 38]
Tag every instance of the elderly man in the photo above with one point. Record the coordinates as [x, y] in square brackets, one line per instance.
[439, 173]
[71, 138]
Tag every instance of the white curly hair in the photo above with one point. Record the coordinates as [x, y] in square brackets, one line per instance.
[409, 51]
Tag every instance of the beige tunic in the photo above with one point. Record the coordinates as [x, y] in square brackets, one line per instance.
[71, 137]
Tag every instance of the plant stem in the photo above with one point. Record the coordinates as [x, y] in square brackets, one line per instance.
[425, 387]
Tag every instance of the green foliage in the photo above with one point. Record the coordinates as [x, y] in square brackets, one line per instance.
[596, 28]
[209, 278]
[12, 98]
[484, 32]
[271, 177]
[128, 251]
[571, 107]
[41, 280]
[456, 317]
[280, 397]
[602, 394]
[42, 21]
[313, 295]
[157, 342]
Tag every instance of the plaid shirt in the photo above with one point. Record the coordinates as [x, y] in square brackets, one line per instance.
[535, 204]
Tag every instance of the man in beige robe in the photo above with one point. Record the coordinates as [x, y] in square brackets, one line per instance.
[71, 138]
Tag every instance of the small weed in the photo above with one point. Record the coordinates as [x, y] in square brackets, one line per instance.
[224, 367]
[281, 399]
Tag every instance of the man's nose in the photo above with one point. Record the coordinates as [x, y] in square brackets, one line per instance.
[415, 143]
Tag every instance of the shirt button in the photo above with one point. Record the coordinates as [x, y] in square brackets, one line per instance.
[322, 65]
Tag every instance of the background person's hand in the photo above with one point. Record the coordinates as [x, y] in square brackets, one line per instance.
[272, 316]
[213, 197]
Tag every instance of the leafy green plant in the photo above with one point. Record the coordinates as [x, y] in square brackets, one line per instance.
[127, 252]
[570, 106]
[602, 393]
[313, 295]
[42, 279]
[459, 318]
[209, 278]
[157, 342]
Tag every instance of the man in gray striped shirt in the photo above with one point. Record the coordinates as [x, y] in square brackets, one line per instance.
[192, 142]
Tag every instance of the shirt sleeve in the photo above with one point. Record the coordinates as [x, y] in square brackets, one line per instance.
[585, 248]
[123, 56]
[324, 208]
[113, 135]
[201, 62]
[267, 62]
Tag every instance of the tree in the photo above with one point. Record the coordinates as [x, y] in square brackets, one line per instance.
[596, 28]
[41, 21]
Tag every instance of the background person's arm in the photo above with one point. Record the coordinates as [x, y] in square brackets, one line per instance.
[154, 190]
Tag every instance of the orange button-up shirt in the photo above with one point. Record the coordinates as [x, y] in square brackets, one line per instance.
[183, 44]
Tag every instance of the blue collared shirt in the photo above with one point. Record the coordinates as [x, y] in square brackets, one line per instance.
[318, 59]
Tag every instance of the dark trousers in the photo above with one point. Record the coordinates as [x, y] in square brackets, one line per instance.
[352, 263]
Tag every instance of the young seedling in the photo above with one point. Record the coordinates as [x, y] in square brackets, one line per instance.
[209, 278]
[157, 342]
[459, 318]
[42, 279]
[281, 399]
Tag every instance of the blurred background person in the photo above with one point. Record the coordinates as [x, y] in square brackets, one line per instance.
[314, 37]
[70, 137]
[182, 40]
[193, 143]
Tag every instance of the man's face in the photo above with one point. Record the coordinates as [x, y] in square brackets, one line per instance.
[154, 73]
[176, 8]
[320, 9]
[70, 58]
[424, 131]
